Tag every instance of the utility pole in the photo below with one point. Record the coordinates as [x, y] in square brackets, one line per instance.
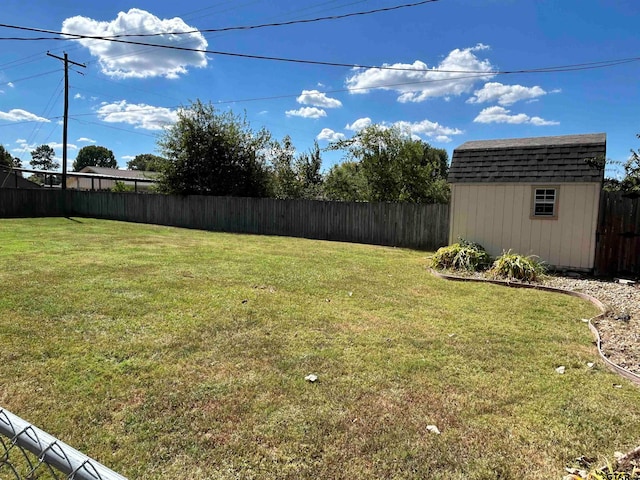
[65, 120]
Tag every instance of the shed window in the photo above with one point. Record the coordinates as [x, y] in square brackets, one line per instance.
[545, 202]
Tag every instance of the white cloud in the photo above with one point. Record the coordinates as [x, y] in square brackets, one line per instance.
[505, 94]
[502, 115]
[359, 124]
[128, 157]
[140, 115]
[23, 146]
[78, 96]
[417, 82]
[70, 146]
[86, 140]
[133, 61]
[307, 112]
[541, 122]
[10, 84]
[330, 135]
[431, 130]
[318, 99]
[19, 115]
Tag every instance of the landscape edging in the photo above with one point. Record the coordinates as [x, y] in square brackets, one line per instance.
[594, 331]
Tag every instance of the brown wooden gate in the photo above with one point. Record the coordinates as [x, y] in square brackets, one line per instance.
[618, 235]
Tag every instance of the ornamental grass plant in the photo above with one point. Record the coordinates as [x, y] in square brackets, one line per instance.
[513, 266]
[464, 255]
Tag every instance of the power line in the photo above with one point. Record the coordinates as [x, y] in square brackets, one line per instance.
[47, 111]
[280, 24]
[236, 6]
[27, 121]
[573, 67]
[36, 56]
[552, 69]
[218, 30]
[20, 61]
[113, 127]
[292, 95]
[30, 77]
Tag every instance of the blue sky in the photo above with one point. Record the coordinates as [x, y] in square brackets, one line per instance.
[128, 93]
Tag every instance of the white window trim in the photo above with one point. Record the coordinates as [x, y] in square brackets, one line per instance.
[535, 201]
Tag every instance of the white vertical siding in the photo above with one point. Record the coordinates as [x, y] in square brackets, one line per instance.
[498, 216]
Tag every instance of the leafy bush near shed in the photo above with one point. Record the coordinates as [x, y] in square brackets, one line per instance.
[468, 256]
[514, 266]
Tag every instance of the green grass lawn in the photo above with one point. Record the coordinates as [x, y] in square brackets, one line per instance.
[170, 353]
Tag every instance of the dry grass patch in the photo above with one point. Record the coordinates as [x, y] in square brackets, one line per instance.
[182, 354]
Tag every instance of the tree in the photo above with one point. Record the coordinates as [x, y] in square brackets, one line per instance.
[631, 180]
[6, 160]
[214, 153]
[147, 162]
[396, 166]
[284, 181]
[295, 176]
[346, 182]
[94, 156]
[307, 167]
[42, 158]
[630, 183]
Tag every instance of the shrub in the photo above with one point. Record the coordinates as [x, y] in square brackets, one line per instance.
[121, 187]
[519, 267]
[465, 255]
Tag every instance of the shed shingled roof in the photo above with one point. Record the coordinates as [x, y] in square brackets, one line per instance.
[532, 160]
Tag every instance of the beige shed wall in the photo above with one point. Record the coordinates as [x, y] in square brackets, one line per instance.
[498, 216]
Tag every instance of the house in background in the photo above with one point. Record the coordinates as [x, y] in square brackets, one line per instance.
[536, 196]
[102, 178]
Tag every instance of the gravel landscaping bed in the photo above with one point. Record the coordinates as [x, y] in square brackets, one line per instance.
[620, 328]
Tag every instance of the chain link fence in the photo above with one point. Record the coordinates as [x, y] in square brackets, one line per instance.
[28, 453]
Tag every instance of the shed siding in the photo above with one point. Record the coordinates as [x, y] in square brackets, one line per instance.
[498, 216]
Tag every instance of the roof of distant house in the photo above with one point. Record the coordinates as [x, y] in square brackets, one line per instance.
[567, 158]
[116, 172]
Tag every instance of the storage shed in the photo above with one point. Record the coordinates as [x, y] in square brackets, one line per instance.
[536, 196]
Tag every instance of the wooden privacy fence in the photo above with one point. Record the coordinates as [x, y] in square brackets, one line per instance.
[618, 235]
[417, 226]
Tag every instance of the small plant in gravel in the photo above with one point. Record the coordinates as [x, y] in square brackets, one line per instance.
[464, 255]
[517, 267]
